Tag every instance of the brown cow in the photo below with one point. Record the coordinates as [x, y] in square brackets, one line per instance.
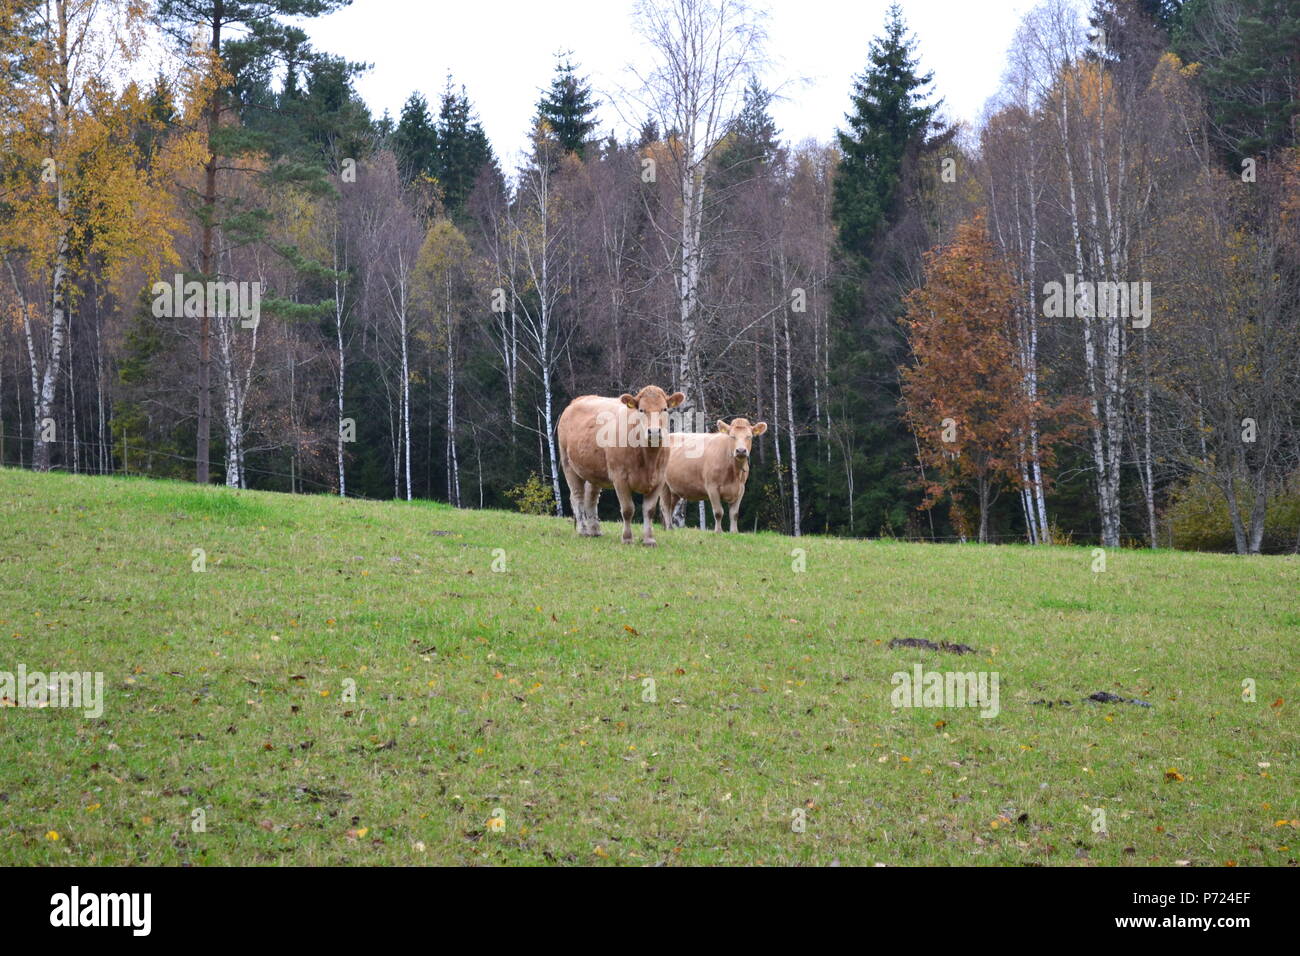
[712, 466]
[616, 443]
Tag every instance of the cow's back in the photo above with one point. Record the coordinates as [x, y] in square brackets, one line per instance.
[577, 430]
[689, 475]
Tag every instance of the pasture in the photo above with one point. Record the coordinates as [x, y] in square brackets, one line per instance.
[505, 716]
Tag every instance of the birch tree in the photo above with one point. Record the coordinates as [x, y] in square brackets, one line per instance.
[445, 285]
[390, 238]
[542, 240]
[703, 52]
[1090, 92]
[1013, 154]
[76, 187]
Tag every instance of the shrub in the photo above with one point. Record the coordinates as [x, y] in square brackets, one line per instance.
[1198, 516]
[533, 496]
[1058, 537]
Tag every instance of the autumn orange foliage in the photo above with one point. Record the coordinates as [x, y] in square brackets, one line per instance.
[965, 396]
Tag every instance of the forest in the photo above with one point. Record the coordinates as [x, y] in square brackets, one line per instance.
[1077, 320]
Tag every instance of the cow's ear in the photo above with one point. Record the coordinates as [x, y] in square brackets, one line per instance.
[760, 428]
[628, 400]
[676, 398]
[723, 426]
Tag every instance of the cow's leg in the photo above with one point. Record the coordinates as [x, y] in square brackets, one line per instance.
[657, 504]
[576, 485]
[735, 511]
[679, 512]
[626, 507]
[665, 506]
[649, 504]
[715, 499]
[591, 504]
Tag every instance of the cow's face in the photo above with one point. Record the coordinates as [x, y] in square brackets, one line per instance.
[741, 433]
[649, 413]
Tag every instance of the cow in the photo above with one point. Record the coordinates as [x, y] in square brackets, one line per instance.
[617, 443]
[713, 466]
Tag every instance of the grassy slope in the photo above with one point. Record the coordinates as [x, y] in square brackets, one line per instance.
[522, 691]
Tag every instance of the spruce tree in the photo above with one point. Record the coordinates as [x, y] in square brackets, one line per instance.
[648, 133]
[567, 109]
[752, 143]
[888, 131]
[415, 140]
[264, 35]
[890, 116]
[463, 150]
[1249, 72]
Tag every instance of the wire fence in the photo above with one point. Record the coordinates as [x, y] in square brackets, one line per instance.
[1080, 538]
[121, 469]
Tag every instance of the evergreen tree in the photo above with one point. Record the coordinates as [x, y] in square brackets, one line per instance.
[247, 61]
[753, 141]
[888, 131]
[890, 116]
[648, 133]
[463, 150]
[415, 140]
[567, 110]
[1163, 13]
[1248, 69]
[330, 121]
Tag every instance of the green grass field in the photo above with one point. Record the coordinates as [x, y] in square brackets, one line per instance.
[505, 717]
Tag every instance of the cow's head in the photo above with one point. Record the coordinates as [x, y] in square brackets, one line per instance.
[650, 412]
[741, 433]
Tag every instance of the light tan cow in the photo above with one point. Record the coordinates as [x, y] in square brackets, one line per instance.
[616, 443]
[713, 466]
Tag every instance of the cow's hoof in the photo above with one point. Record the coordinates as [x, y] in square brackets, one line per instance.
[627, 539]
[650, 542]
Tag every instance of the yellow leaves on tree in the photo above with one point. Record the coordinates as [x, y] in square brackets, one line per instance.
[90, 165]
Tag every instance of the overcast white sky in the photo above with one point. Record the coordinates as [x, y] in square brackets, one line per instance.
[503, 53]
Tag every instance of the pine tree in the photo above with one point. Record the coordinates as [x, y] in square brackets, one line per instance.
[890, 116]
[888, 131]
[217, 21]
[463, 150]
[329, 121]
[1248, 69]
[415, 140]
[566, 111]
[753, 141]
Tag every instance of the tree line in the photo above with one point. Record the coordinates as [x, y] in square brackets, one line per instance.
[1074, 320]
